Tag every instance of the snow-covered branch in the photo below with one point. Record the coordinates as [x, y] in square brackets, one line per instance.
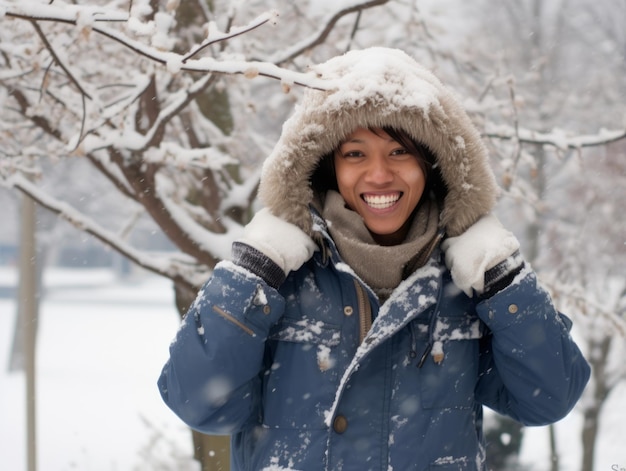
[557, 138]
[60, 12]
[132, 141]
[93, 17]
[250, 69]
[175, 266]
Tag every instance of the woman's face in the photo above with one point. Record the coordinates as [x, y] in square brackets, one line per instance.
[381, 181]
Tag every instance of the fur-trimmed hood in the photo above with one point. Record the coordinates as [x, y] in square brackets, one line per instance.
[379, 87]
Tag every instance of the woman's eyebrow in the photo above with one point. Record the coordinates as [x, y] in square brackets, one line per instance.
[361, 141]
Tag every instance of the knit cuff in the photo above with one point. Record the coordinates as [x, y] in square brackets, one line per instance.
[503, 274]
[258, 263]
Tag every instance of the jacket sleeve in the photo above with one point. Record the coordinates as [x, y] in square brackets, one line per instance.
[213, 377]
[531, 369]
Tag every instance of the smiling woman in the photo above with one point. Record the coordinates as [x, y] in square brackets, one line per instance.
[382, 180]
[375, 305]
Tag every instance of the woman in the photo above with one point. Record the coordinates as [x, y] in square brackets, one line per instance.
[375, 305]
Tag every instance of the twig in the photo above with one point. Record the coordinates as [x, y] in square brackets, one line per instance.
[83, 122]
[59, 62]
[258, 22]
[355, 28]
[320, 36]
[518, 151]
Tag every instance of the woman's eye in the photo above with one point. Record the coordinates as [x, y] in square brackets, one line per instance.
[400, 151]
[400, 154]
[353, 153]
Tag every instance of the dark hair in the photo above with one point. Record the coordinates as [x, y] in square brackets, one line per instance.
[324, 177]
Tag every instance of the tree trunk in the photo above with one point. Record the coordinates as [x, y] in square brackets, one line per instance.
[27, 314]
[590, 432]
[212, 451]
[554, 452]
[600, 392]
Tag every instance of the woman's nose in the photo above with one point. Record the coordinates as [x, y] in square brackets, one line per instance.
[379, 171]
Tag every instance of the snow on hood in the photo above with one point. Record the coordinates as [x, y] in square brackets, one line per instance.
[379, 87]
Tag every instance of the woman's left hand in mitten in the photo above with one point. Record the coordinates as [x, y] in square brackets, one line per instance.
[482, 257]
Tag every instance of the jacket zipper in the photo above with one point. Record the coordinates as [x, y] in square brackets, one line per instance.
[365, 311]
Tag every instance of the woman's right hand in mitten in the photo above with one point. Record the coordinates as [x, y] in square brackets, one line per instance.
[285, 244]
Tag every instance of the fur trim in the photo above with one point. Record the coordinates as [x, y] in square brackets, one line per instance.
[379, 87]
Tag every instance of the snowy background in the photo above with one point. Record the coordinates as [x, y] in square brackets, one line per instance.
[548, 73]
[101, 345]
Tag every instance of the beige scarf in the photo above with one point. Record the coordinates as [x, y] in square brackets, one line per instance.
[381, 267]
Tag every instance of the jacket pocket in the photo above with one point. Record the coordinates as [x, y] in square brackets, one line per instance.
[300, 385]
[449, 374]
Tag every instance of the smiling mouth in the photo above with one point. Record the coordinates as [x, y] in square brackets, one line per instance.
[381, 201]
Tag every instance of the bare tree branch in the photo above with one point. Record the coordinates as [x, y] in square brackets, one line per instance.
[322, 33]
[157, 130]
[39, 121]
[218, 37]
[59, 62]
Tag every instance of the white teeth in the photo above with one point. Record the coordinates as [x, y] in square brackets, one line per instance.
[381, 201]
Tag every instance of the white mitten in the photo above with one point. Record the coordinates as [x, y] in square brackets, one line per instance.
[285, 243]
[479, 248]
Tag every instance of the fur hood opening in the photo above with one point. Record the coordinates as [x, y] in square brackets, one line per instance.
[379, 87]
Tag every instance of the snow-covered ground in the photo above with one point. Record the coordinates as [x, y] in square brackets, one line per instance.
[101, 346]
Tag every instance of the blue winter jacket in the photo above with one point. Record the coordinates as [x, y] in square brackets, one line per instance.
[286, 374]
